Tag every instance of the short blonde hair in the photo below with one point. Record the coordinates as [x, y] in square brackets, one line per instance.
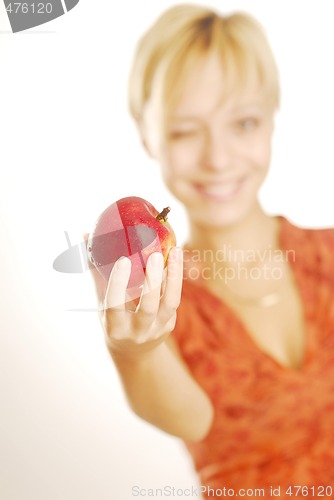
[181, 35]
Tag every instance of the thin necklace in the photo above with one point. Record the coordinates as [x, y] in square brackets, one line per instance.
[267, 300]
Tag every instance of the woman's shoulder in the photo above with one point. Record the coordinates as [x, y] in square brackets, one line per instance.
[313, 247]
[322, 234]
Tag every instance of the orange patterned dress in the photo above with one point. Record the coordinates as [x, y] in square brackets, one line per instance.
[273, 429]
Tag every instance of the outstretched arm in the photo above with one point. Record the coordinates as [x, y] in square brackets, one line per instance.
[158, 385]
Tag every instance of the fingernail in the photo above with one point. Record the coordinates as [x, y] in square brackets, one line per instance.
[177, 253]
[122, 262]
[156, 258]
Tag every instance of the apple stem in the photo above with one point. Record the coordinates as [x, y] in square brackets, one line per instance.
[163, 214]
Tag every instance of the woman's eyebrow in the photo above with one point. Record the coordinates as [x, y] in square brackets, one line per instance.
[183, 119]
[247, 107]
[252, 106]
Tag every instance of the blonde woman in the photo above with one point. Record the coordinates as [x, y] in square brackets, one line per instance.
[237, 356]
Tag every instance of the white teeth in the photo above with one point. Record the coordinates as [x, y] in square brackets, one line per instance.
[219, 191]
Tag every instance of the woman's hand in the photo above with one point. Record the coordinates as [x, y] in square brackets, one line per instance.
[133, 332]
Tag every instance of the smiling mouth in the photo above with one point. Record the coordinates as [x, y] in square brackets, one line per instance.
[220, 191]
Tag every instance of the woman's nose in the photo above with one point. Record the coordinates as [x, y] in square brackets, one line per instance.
[218, 153]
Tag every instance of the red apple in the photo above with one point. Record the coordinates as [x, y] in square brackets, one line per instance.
[133, 228]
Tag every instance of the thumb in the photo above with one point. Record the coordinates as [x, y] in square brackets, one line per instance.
[100, 283]
[85, 237]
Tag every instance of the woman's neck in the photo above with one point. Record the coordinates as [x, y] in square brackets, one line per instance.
[256, 232]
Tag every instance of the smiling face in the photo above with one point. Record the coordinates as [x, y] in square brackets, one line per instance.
[217, 147]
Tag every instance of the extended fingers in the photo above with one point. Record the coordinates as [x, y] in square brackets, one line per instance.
[173, 287]
[116, 298]
[153, 310]
[150, 298]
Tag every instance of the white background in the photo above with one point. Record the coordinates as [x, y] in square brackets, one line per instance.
[68, 149]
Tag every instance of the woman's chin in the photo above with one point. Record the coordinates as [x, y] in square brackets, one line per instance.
[219, 218]
[221, 214]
